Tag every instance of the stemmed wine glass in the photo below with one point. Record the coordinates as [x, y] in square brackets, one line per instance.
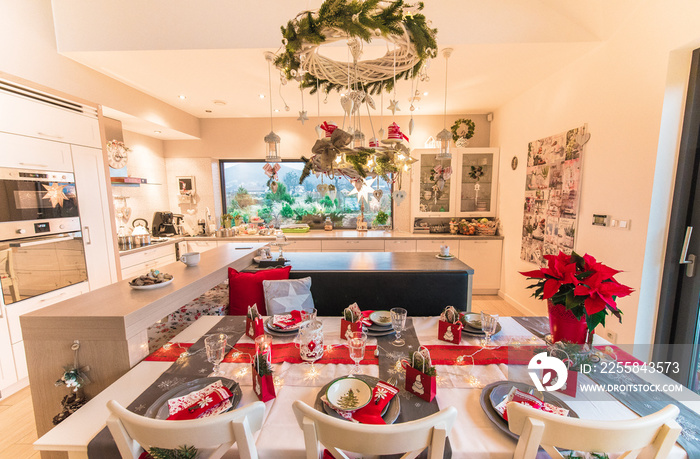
[398, 322]
[311, 342]
[216, 350]
[356, 345]
[489, 323]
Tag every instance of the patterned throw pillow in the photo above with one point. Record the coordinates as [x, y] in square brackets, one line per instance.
[285, 296]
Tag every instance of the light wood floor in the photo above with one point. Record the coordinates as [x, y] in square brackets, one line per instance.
[18, 432]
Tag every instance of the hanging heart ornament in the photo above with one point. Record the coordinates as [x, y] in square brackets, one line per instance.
[582, 138]
[322, 189]
[399, 197]
[347, 104]
[378, 194]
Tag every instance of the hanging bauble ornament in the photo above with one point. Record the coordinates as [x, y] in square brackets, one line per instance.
[381, 133]
[332, 192]
[411, 125]
[370, 102]
[347, 104]
[273, 186]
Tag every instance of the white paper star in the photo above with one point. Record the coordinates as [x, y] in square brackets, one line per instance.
[394, 106]
[55, 194]
[303, 116]
[365, 189]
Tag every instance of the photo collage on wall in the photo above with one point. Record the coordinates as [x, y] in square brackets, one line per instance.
[552, 195]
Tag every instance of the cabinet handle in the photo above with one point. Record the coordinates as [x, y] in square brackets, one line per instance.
[33, 165]
[86, 235]
[53, 297]
[55, 136]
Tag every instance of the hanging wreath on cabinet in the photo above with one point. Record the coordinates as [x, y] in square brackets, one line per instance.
[358, 22]
[462, 131]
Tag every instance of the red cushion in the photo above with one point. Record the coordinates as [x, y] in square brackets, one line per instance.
[246, 289]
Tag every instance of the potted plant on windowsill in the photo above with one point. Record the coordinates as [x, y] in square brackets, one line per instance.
[580, 292]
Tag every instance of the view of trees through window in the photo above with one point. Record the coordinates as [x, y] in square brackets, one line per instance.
[247, 195]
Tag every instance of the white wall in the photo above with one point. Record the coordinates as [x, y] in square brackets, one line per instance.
[145, 161]
[618, 90]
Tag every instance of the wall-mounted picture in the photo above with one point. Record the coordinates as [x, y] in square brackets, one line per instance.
[185, 186]
[552, 194]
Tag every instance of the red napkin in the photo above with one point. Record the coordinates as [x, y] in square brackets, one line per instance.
[202, 403]
[372, 412]
[518, 396]
[287, 321]
[366, 321]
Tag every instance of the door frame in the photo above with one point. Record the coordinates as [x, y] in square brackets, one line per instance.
[676, 324]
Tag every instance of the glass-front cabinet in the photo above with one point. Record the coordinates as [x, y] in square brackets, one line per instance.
[465, 186]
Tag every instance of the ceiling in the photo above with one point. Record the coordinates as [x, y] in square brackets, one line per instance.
[211, 51]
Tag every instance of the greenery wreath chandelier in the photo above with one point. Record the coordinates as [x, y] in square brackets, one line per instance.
[356, 21]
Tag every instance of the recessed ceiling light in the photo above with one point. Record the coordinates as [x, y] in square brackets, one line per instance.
[219, 102]
[262, 96]
[425, 93]
[182, 96]
[342, 94]
[277, 110]
[157, 132]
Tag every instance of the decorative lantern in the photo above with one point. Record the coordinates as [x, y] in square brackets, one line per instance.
[443, 139]
[358, 139]
[272, 141]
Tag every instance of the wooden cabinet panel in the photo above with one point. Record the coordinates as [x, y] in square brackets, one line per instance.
[400, 245]
[485, 257]
[27, 153]
[20, 115]
[303, 246]
[352, 245]
[144, 256]
[433, 245]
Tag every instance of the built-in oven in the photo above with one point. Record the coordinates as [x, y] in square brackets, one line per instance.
[36, 265]
[37, 203]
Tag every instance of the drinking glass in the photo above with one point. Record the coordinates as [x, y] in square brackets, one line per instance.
[216, 349]
[309, 314]
[356, 345]
[398, 322]
[311, 342]
[489, 323]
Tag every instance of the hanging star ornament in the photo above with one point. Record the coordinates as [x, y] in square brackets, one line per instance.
[303, 117]
[55, 194]
[394, 106]
[363, 189]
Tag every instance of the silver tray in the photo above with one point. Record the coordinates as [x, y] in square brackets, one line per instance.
[159, 408]
[494, 393]
[391, 411]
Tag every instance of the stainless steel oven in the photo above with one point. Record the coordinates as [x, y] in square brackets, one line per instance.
[35, 265]
[37, 203]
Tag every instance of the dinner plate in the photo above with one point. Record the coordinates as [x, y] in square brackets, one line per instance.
[280, 334]
[159, 408]
[494, 393]
[390, 413]
[469, 318]
[376, 333]
[259, 259]
[378, 328]
[152, 286]
[269, 324]
[381, 318]
[442, 257]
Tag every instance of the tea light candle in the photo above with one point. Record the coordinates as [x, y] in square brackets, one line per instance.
[263, 345]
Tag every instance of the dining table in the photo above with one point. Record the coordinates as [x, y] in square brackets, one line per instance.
[464, 370]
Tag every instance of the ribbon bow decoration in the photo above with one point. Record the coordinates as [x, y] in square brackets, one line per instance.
[271, 171]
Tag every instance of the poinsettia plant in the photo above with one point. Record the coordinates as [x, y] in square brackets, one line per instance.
[583, 285]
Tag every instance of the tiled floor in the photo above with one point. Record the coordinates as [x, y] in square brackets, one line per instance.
[17, 417]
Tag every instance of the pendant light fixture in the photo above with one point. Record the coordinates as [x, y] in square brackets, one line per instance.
[443, 137]
[272, 140]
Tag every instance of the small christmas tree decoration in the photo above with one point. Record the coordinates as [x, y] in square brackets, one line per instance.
[263, 382]
[421, 376]
[351, 321]
[254, 323]
[450, 326]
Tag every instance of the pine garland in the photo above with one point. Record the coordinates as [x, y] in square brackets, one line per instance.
[262, 366]
[183, 452]
[470, 129]
[358, 19]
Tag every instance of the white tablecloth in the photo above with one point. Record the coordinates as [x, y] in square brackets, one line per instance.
[473, 435]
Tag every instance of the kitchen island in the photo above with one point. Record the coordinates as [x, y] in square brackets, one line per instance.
[110, 326]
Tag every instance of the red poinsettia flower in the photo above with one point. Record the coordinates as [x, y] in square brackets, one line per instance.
[601, 289]
[560, 270]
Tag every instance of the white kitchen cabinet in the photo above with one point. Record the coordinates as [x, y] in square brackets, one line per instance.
[136, 264]
[24, 116]
[485, 257]
[433, 245]
[457, 196]
[28, 153]
[8, 373]
[95, 220]
[352, 245]
[20, 361]
[303, 246]
[400, 245]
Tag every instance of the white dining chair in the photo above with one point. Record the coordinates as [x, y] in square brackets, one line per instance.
[212, 436]
[654, 434]
[339, 435]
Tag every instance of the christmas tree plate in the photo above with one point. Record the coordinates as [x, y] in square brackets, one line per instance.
[348, 393]
[494, 393]
[381, 318]
[390, 413]
[159, 408]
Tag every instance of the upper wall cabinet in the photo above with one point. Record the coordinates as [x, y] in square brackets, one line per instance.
[74, 125]
[27, 153]
[464, 186]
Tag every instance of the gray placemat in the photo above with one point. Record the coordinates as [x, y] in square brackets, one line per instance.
[538, 326]
[193, 365]
[412, 407]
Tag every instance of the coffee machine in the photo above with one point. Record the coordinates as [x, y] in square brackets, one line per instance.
[163, 224]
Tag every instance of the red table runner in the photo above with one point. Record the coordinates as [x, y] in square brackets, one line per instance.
[476, 355]
[289, 352]
[168, 353]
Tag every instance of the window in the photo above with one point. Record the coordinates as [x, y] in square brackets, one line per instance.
[245, 195]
